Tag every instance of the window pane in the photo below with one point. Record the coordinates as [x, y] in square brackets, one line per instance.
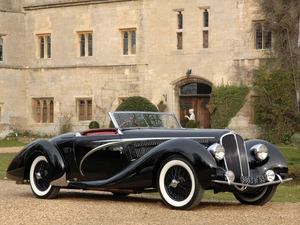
[1, 49]
[205, 18]
[195, 89]
[180, 20]
[125, 43]
[89, 109]
[268, 39]
[49, 47]
[90, 43]
[41, 47]
[205, 39]
[179, 40]
[133, 42]
[189, 89]
[44, 112]
[258, 36]
[81, 110]
[51, 112]
[38, 111]
[82, 45]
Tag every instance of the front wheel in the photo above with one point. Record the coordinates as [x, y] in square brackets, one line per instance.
[39, 179]
[258, 196]
[178, 184]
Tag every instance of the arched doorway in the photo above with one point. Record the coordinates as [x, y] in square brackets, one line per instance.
[195, 95]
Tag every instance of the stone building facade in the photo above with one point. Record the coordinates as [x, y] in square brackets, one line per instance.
[64, 63]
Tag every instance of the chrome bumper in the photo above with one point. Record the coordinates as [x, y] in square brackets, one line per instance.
[252, 185]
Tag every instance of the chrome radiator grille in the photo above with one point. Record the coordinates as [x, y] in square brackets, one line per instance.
[235, 156]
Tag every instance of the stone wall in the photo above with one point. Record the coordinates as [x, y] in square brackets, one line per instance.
[154, 72]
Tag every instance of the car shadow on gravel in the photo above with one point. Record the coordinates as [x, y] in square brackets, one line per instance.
[135, 198]
[100, 195]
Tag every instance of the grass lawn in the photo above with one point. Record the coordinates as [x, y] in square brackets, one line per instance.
[292, 156]
[284, 193]
[12, 143]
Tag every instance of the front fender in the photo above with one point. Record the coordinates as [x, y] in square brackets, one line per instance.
[274, 161]
[19, 167]
[202, 161]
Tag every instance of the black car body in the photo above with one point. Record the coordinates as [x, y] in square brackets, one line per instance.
[149, 151]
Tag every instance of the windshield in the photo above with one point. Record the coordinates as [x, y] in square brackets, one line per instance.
[124, 119]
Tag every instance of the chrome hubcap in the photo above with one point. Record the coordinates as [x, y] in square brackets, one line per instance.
[38, 175]
[174, 183]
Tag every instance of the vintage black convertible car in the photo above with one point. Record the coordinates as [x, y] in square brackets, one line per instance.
[149, 151]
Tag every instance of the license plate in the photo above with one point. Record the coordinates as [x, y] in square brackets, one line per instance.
[253, 180]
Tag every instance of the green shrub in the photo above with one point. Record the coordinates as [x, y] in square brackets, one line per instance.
[94, 125]
[295, 139]
[191, 124]
[137, 103]
[275, 110]
[228, 100]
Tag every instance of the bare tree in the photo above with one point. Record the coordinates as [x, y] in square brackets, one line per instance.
[282, 17]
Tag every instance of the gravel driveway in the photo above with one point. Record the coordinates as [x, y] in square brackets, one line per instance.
[19, 206]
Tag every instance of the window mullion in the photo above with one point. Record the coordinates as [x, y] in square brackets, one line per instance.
[48, 110]
[85, 109]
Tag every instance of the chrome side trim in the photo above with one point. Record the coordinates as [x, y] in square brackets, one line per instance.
[125, 140]
[60, 182]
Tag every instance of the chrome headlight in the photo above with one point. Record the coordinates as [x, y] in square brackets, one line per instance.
[217, 150]
[270, 175]
[260, 151]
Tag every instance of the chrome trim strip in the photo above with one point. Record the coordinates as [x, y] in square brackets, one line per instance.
[125, 140]
[251, 185]
[60, 182]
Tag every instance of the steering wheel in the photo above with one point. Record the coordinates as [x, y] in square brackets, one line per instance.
[127, 122]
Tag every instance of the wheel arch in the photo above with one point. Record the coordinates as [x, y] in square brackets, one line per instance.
[202, 161]
[53, 156]
[275, 159]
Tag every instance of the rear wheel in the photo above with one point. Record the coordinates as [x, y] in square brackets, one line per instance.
[178, 184]
[258, 196]
[39, 179]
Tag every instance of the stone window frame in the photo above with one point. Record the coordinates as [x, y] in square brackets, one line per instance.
[205, 14]
[43, 110]
[262, 35]
[179, 28]
[128, 40]
[85, 43]
[44, 45]
[84, 109]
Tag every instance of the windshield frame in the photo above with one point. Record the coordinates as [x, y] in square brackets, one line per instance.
[115, 118]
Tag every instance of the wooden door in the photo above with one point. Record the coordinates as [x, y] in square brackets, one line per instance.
[202, 115]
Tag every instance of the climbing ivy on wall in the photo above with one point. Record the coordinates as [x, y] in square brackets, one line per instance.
[228, 100]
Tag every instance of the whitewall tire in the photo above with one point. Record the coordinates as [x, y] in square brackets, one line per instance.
[178, 184]
[39, 182]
